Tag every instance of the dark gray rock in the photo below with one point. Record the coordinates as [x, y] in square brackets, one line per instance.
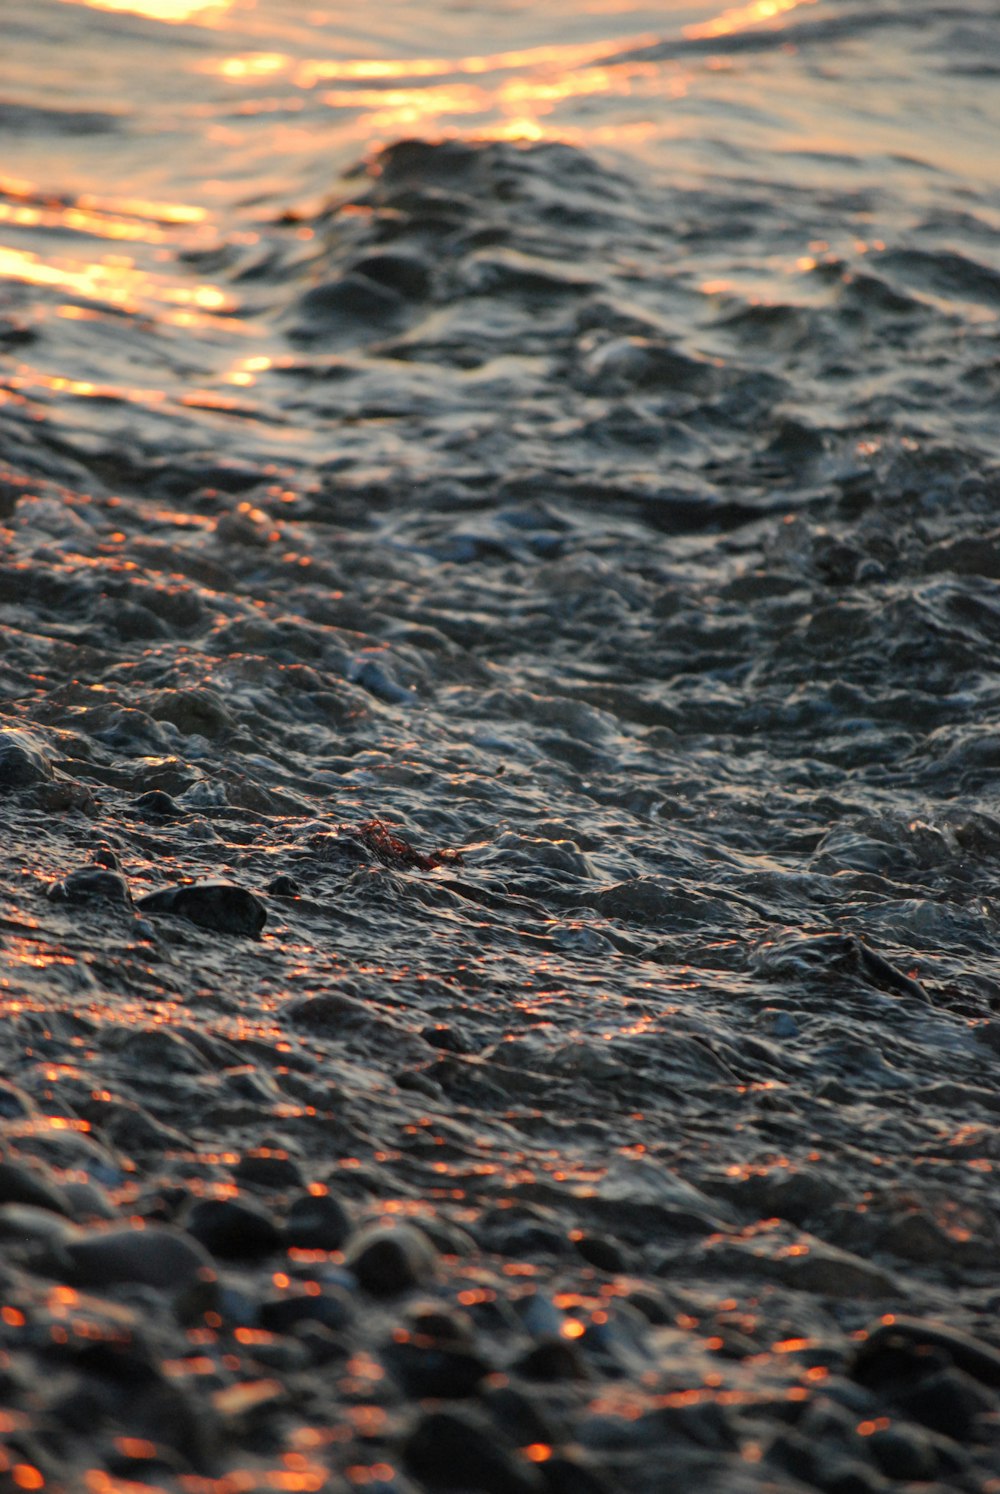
[232, 1229]
[91, 882]
[160, 1257]
[454, 1450]
[387, 1259]
[332, 1308]
[22, 761]
[267, 1167]
[20, 1184]
[223, 907]
[317, 1222]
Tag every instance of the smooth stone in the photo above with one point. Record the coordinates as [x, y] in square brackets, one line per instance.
[27, 1185]
[599, 1251]
[158, 805]
[91, 882]
[552, 1361]
[949, 1402]
[454, 1450]
[22, 761]
[902, 1453]
[232, 1229]
[896, 1348]
[387, 1259]
[223, 907]
[331, 1307]
[160, 1257]
[427, 1369]
[268, 1168]
[317, 1221]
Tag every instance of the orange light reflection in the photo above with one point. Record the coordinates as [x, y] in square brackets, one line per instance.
[742, 18]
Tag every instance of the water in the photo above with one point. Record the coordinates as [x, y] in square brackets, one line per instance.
[566, 436]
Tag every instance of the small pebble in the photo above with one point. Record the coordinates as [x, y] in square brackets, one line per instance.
[387, 1259]
[91, 882]
[223, 907]
[157, 805]
[331, 1307]
[317, 1221]
[22, 762]
[232, 1229]
[158, 1257]
[453, 1450]
[266, 1167]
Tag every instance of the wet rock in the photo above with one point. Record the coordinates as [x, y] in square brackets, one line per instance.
[223, 907]
[551, 1361]
[20, 1184]
[155, 804]
[22, 761]
[387, 1259]
[91, 882]
[903, 1452]
[317, 1221]
[949, 1402]
[232, 1229]
[428, 1368]
[283, 886]
[331, 1307]
[14, 1103]
[160, 1257]
[899, 1349]
[267, 1167]
[599, 1251]
[460, 1451]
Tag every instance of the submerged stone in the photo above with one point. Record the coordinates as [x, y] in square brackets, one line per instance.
[224, 907]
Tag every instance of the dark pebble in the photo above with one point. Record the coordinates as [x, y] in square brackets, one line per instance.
[26, 1185]
[331, 1307]
[903, 1453]
[90, 882]
[233, 1230]
[949, 1403]
[317, 1221]
[460, 1451]
[22, 764]
[267, 1168]
[14, 1103]
[223, 907]
[159, 1257]
[427, 1369]
[157, 805]
[387, 1259]
[904, 1347]
[401, 272]
[518, 1416]
[448, 1039]
[551, 1361]
[599, 1251]
[283, 886]
[565, 1475]
[325, 1346]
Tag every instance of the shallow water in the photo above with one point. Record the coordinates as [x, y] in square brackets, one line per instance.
[565, 439]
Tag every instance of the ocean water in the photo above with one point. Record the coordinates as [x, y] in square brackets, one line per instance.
[563, 440]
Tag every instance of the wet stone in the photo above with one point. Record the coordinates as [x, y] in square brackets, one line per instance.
[427, 1369]
[267, 1168]
[903, 1453]
[552, 1361]
[159, 1257]
[20, 1184]
[317, 1221]
[91, 882]
[949, 1402]
[155, 804]
[388, 1259]
[331, 1307]
[460, 1451]
[232, 1229]
[22, 762]
[223, 907]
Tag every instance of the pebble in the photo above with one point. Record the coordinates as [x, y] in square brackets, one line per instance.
[22, 761]
[428, 1369]
[156, 804]
[160, 1257]
[331, 1307]
[267, 1167]
[91, 882]
[949, 1402]
[20, 1184]
[223, 907]
[387, 1259]
[459, 1450]
[317, 1221]
[552, 1360]
[232, 1229]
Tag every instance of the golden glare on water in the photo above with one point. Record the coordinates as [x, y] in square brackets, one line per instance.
[742, 18]
[174, 12]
